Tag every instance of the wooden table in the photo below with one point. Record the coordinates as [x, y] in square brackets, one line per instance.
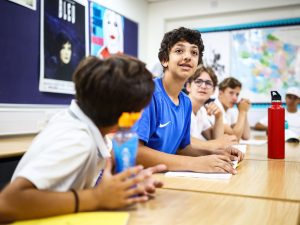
[263, 192]
[191, 208]
[292, 152]
[14, 145]
[278, 180]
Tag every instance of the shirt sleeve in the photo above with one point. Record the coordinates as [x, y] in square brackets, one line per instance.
[233, 115]
[146, 125]
[205, 119]
[186, 140]
[59, 162]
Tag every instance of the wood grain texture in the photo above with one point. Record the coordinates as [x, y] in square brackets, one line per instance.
[191, 208]
[292, 152]
[263, 179]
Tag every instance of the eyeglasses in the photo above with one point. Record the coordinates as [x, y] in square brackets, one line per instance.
[207, 83]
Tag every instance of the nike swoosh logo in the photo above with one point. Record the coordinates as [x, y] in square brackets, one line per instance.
[164, 124]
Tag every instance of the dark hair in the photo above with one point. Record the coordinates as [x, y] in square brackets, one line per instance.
[106, 88]
[208, 70]
[229, 82]
[176, 35]
[61, 39]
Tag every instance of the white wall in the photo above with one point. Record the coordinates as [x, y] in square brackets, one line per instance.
[167, 15]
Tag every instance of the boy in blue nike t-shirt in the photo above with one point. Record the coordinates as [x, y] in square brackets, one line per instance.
[164, 128]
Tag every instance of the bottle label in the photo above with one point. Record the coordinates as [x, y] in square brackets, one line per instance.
[125, 153]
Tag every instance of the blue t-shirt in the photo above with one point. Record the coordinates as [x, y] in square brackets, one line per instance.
[165, 126]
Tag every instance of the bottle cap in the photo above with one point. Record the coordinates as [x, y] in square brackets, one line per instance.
[275, 96]
[128, 119]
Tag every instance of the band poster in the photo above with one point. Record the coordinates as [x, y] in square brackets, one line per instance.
[64, 42]
[107, 31]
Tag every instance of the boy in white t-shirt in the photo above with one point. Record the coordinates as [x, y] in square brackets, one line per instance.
[235, 120]
[292, 114]
[57, 174]
[204, 134]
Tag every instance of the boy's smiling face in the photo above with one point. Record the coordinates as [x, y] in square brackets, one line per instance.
[183, 60]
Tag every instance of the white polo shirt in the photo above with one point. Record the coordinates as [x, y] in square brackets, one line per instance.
[293, 120]
[230, 116]
[67, 154]
[199, 123]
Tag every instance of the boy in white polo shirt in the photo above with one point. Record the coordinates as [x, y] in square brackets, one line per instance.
[235, 120]
[57, 174]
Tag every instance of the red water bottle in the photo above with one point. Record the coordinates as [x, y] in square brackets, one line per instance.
[276, 128]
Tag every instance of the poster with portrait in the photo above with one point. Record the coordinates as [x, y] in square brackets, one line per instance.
[64, 42]
[107, 31]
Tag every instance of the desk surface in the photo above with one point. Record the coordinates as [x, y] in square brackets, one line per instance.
[14, 145]
[263, 192]
[190, 208]
[292, 152]
[263, 179]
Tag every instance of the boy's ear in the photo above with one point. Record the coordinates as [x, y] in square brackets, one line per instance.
[188, 87]
[164, 64]
[220, 93]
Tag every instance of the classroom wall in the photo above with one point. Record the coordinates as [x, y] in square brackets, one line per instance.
[166, 15]
[154, 20]
[20, 119]
[136, 10]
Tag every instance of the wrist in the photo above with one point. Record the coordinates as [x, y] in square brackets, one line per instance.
[94, 199]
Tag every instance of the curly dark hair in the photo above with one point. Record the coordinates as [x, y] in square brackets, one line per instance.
[208, 70]
[176, 35]
[107, 88]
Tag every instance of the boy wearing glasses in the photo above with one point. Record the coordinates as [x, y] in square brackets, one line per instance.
[235, 121]
[164, 128]
[200, 87]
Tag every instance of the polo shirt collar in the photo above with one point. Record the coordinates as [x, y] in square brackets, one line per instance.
[98, 138]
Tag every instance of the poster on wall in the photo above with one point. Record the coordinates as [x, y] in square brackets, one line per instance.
[64, 42]
[107, 31]
[217, 53]
[266, 59]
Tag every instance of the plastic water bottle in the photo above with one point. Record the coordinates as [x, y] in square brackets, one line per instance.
[125, 142]
[276, 127]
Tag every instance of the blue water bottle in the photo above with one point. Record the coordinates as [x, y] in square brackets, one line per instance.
[125, 142]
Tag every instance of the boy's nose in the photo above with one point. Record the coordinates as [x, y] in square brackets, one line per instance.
[187, 56]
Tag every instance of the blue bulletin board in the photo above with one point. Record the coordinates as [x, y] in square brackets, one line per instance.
[20, 55]
[264, 56]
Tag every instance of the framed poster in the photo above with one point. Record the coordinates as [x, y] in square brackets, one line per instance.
[64, 42]
[216, 52]
[107, 31]
[264, 56]
[266, 59]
